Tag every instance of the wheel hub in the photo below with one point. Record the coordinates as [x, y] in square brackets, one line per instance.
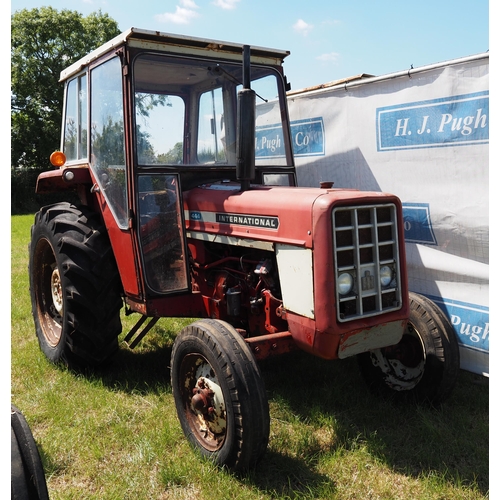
[56, 290]
[208, 403]
[204, 403]
[403, 364]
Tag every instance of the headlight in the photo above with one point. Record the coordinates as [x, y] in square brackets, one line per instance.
[344, 283]
[385, 276]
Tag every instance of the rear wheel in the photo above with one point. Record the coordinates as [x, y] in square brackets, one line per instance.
[424, 365]
[75, 287]
[219, 394]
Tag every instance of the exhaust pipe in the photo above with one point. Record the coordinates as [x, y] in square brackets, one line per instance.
[245, 139]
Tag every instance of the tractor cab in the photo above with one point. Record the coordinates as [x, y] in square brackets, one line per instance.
[163, 114]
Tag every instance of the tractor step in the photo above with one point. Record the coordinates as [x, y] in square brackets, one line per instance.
[139, 335]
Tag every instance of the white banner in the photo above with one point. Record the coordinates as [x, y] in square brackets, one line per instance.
[422, 135]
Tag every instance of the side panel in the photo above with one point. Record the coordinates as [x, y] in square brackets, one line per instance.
[296, 278]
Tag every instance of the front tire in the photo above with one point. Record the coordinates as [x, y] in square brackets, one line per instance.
[219, 394]
[75, 287]
[424, 365]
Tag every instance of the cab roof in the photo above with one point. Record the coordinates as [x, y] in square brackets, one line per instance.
[178, 44]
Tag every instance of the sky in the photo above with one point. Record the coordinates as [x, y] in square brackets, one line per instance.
[328, 39]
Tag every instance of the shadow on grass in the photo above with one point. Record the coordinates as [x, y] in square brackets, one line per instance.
[282, 476]
[413, 440]
[139, 372]
[450, 442]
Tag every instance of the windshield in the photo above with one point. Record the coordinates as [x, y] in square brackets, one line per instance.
[185, 112]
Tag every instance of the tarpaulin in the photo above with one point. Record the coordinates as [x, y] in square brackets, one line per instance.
[421, 134]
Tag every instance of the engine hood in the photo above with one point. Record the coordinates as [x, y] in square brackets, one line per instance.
[275, 214]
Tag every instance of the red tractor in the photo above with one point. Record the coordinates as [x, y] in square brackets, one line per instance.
[180, 152]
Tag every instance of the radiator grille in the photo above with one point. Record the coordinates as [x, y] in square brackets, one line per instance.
[366, 248]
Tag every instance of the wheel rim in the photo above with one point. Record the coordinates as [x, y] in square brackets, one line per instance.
[403, 364]
[56, 289]
[48, 293]
[203, 401]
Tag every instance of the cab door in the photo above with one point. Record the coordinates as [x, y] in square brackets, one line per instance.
[160, 233]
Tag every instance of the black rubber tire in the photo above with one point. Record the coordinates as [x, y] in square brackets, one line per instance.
[27, 474]
[75, 287]
[219, 351]
[424, 366]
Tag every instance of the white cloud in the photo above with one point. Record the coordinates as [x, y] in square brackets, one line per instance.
[189, 4]
[302, 27]
[226, 4]
[181, 14]
[329, 57]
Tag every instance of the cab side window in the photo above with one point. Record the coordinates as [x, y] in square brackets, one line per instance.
[75, 119]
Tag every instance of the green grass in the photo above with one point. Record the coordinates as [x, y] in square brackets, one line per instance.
[115, 435]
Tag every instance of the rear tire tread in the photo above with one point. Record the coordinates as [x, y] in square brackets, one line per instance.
[91, 284]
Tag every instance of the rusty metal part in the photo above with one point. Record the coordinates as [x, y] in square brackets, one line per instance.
[273, 323]
[203, 401]
[48, 291]
[202, 397]
[273, 344]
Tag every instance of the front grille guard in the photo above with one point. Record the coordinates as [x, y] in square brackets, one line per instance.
[365, 240]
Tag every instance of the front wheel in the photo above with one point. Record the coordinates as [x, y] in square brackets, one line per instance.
[219, 394]
[424, 365]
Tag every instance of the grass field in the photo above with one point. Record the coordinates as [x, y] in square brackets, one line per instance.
[115, 435]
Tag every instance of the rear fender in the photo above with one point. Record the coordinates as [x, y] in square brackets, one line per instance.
[62, 179]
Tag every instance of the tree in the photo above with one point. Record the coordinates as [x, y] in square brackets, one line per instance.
[44, 41]
[173, 156]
